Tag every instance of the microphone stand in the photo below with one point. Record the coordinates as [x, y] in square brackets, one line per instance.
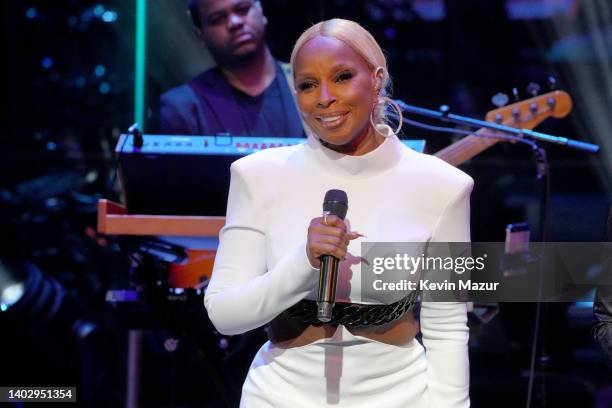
[541, 309]
[543, 175]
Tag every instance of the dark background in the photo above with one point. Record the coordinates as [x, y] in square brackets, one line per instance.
[69, 93]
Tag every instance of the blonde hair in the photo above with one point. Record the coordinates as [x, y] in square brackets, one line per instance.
[363, 43]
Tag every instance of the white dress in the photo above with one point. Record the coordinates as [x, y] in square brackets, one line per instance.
[261, 269]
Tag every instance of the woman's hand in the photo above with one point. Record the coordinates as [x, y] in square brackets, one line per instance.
[328, 236]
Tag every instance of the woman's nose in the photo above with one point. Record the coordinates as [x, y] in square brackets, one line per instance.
[326, 98]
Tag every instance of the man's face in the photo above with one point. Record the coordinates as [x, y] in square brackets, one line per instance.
[232, 29]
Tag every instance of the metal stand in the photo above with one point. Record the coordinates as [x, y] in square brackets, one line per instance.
[539, 332]
[133, 369]
[114, 219]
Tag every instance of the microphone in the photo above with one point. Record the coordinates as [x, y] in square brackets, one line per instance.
[334, 203]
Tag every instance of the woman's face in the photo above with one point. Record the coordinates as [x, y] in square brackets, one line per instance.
[336, 91]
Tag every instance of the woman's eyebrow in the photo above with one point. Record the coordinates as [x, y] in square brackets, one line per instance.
[335, 68]
[304, 75]
[340, 67]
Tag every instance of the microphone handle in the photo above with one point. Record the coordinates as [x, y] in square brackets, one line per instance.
[326, 297]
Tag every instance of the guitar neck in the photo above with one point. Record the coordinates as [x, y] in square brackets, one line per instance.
[526, 115]
[466, 148]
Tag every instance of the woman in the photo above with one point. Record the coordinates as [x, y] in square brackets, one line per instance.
[270, 247]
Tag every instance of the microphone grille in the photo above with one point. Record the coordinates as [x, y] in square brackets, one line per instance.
[336, 203]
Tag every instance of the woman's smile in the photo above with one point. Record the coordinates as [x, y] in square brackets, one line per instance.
[332, 120]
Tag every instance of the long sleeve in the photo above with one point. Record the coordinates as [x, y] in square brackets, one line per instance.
[444, 324]
[243, 293]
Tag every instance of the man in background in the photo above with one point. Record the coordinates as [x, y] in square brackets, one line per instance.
[248, 93]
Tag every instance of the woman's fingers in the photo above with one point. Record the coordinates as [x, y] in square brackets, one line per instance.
[354, 235]
[328, 235]
[324, 243]
[332, 220]
[333, 239]
[331, 224]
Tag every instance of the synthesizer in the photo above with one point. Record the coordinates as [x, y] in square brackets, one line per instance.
[217, 145]
[188, 175]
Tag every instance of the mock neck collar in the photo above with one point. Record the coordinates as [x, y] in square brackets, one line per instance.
[385, 156]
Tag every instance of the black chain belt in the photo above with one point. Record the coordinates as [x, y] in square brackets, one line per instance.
[354, 314]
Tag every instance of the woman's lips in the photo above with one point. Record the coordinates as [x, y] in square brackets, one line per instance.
[332, 121]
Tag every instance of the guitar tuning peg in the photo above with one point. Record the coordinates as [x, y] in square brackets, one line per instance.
[500, 99]
[515, 93]
[533, 88]
[552, 83]
[516, 112]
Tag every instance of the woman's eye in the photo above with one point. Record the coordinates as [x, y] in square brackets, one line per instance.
[344, 76]
[304, 86]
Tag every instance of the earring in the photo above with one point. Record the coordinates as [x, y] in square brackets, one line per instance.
[372, 117]
[400, 116]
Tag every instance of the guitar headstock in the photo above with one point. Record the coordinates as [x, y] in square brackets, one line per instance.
[531, 112]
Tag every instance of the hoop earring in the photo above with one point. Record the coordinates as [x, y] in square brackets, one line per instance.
[399, 112]
[374, 125]
[400, 115]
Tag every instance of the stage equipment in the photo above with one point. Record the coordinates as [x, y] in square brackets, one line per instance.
[513, 123]
[188, 175]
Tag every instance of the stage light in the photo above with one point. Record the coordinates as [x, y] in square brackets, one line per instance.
[100, 70]
[31, 13]
[580, 47]
[11, 287]
[104, 88]
[109, 17]
[86, 15]
[47, 62]
[390, 33]
[98, 10]
[11, 294]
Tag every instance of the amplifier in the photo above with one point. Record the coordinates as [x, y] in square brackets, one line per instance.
[188, 175]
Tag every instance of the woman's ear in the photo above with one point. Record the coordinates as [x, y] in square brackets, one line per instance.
[379, 77]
